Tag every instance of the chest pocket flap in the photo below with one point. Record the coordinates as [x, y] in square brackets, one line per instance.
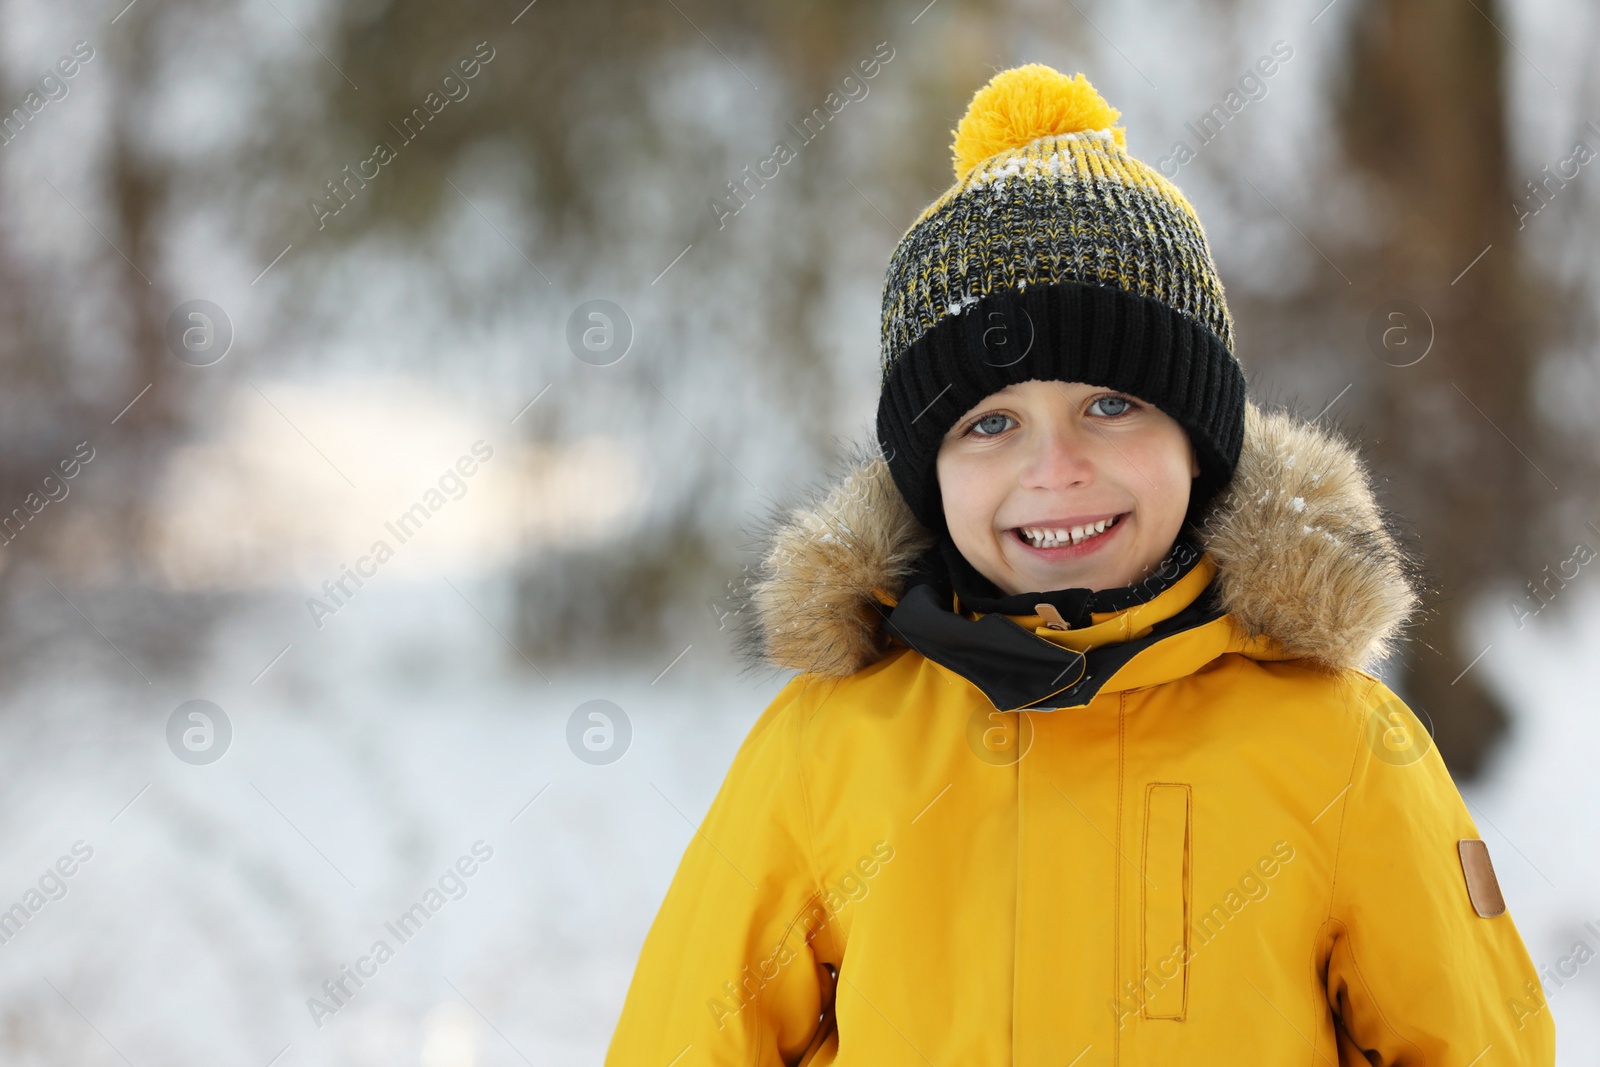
[1164, 933]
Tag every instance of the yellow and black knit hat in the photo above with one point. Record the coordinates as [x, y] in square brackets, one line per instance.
[1056, 255]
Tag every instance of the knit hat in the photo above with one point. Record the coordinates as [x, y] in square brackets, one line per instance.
[1056, 255]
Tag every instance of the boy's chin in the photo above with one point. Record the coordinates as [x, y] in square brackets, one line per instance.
[1095, 573]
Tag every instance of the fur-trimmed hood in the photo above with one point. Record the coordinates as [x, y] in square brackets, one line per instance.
[1304, 555]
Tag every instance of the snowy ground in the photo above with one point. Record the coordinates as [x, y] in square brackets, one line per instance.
[370, 760]
[1538, 807]
[362, 767]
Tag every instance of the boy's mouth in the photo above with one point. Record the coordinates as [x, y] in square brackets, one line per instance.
[1046, 537]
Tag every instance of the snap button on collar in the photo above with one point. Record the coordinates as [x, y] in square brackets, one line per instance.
[1052, 617]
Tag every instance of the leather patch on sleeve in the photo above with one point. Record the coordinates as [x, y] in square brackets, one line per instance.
[1482, 886]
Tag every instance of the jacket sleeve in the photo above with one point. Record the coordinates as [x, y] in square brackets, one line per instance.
[1416, 975]
[728, 973]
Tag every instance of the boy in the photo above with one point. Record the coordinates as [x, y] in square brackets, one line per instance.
[1082, 765]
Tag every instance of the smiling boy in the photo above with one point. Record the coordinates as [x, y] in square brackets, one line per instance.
[1083, 643]
[1050, 484]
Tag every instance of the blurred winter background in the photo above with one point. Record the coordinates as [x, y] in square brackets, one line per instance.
[240, 343]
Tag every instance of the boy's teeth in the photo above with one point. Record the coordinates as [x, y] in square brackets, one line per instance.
[1040, 537]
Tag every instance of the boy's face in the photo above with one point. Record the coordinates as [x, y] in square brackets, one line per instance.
[1048, 455]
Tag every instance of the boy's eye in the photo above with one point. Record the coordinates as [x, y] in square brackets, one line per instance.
[1114, 401]
[989, 420]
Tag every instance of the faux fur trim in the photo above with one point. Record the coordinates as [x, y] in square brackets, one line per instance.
[810, 604]
[1304, 555]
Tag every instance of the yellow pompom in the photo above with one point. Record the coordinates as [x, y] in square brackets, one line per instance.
[1023, 103]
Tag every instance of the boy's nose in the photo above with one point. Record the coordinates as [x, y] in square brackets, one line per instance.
[1061, 456]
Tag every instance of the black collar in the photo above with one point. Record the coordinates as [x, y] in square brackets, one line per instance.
[1017, 669]
[978, 593]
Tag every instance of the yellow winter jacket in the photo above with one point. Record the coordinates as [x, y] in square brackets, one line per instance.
[1210, 837]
